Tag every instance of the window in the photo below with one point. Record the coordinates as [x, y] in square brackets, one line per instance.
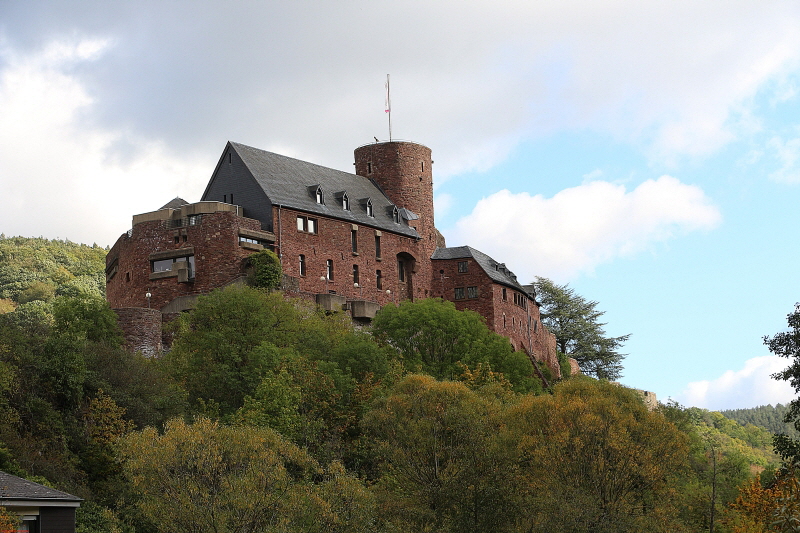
[345, 203]
[165, 265]
[396, 215]
[320, 197]
[401, 270]
[329, 269]
[505, 298]
[472, 292]
[377, 246]
[459, 293]
[422, 165]
[370, 212]
[251, 240]
[369, 168]
[302, 265]
[307, 225]
[462, 267]
[355, 274]
[378, 279]
[354, 240]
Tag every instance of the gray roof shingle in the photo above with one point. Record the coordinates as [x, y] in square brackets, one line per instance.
[292, 183]
[16, 488]
[496, 271]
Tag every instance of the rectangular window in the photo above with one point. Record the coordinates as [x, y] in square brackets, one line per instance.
[377, 246]
[504, 294]
[354, 240]
[165, 265]
[302, 265]
[329, 269]
[472, 292]
[378, 279]
[459, 293]
[355, 274]
[462, 267]
[307, 225]
[401, 270]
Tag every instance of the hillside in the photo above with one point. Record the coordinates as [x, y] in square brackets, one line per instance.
[38, 269]
[360, 431]
[765, 416]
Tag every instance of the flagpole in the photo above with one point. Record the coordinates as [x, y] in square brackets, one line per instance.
[389, 107]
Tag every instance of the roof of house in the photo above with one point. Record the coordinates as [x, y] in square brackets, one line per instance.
[498, 272]
[293, 183]
[13, 488]
[174, 203]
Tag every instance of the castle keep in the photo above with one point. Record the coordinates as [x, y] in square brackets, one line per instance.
[352, 242]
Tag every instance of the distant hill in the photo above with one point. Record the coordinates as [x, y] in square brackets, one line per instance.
[765, 416]
[38, 269]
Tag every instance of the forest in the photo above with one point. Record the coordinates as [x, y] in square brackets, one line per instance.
[269, 415]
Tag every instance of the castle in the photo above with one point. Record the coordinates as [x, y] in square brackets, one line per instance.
[351, 242]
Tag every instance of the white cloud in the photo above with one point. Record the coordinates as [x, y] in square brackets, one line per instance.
[750, 386]
[582, 227]
[61, 177]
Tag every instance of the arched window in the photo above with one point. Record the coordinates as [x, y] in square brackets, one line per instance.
[320, 196]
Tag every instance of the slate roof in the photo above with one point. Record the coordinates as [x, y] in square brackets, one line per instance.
[15, 488]
[174, 203]
[292, 183]
[496, 271]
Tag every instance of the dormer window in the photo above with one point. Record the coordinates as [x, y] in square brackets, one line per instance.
[345, 202]
[370, 212]
[320, 196]
[396, 215]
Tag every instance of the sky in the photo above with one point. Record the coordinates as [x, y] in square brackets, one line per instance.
[645, 153]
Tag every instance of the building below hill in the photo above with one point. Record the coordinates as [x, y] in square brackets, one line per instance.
[39, 508]
[350, 242]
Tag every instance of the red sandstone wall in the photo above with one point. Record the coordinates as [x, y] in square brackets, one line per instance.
[404, 170]
[332, 241]
[218, 259]
[142, 329]
[502, 316]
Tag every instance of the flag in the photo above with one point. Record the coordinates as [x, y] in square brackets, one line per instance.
[388, 102]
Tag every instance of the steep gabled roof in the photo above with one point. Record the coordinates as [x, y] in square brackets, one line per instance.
[13, 488]
[496, 271]
[292, 183]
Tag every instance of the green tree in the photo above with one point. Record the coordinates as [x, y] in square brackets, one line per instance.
[444, 466]
[434, 337]
[787, 344]
[574, 321]
[267, 272]
[209, 477]
[595, 453]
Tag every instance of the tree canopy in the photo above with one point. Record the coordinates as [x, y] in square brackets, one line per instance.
[575, 321]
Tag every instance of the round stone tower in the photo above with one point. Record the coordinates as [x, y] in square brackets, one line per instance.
[403, 171]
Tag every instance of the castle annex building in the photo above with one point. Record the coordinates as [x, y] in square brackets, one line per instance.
[347, 241]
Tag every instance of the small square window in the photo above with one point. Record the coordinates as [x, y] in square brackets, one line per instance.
[459, 293]
[312, 225]
[462, 267]
[472, 292]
